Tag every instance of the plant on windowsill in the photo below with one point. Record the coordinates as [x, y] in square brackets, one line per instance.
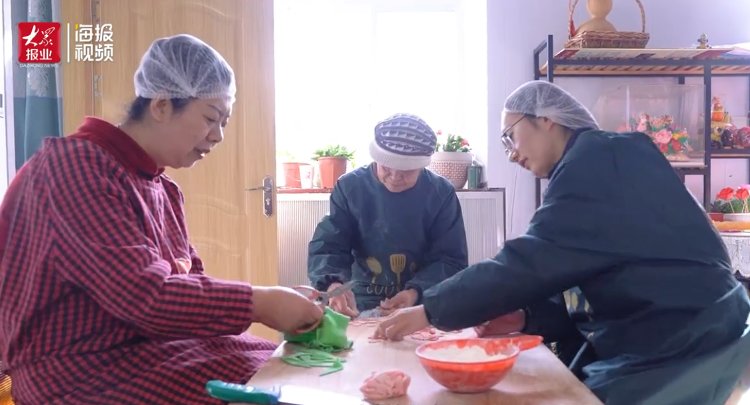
[332, 163]
[452, 159]
[293, 167]
[733, 204]
[453, 143]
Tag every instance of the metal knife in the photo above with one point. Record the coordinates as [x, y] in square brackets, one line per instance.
[278, 395]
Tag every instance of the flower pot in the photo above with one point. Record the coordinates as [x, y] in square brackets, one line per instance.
[742, 217]
[454, 166]
[716, 216]
[330, 169]
[291, 174]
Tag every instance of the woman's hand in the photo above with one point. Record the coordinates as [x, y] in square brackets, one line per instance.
[401, 323]
[502, 325]
[284, 309]
[345, 303]
[403, 299]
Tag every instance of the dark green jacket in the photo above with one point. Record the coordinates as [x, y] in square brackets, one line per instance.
[387, 241]
[622, 243]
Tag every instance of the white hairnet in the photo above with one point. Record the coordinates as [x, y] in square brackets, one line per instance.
[544, 99]
[183, 66]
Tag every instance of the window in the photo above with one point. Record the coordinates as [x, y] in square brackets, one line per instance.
[343, 65]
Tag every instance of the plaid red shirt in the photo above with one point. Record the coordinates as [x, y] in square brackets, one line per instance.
[103, 299]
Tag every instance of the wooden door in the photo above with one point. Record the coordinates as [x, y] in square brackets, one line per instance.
[226, 222]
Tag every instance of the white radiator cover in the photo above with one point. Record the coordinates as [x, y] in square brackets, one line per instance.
[299, 214]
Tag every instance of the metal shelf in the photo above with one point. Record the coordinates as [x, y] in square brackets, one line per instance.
[646, 62]
[690, 169]
[730, 153]
[678, 63]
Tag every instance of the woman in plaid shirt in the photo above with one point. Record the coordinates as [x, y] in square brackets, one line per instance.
[104, 300]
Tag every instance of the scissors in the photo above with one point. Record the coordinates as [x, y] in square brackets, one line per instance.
[323, 297]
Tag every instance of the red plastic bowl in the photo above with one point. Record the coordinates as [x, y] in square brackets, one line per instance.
[525, 342]
[477, 374]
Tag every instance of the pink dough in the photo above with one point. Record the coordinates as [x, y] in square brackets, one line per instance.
[390, 384]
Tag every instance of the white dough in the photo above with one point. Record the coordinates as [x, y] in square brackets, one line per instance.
[471, 354]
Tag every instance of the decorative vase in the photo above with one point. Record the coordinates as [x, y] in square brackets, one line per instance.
[598, 10]
[454, 166]
[330, 169]
[306, 176]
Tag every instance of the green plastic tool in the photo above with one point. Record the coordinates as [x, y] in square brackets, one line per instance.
[230, 392]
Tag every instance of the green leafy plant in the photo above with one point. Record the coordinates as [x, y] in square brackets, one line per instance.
[453, 143]
[730, 201]
[334, 151]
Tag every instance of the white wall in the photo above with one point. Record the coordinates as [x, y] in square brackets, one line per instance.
[515, 27]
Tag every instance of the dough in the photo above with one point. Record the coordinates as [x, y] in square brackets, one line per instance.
[389, 384]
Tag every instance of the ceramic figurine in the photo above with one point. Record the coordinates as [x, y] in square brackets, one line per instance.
[717, 110]
[722, 131]
[703, 42]
[744, 136]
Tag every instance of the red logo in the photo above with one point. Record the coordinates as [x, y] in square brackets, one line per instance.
[39, 42]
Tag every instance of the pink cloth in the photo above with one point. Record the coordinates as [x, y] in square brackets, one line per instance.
[390, 384]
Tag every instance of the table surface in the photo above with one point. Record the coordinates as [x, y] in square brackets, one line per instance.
[538, 377]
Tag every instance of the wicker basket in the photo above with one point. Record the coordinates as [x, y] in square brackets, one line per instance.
[607, 39]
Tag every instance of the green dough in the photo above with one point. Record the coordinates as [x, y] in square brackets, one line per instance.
[307, 358]
[329, 336]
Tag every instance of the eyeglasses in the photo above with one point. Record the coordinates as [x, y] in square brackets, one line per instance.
[507, 139]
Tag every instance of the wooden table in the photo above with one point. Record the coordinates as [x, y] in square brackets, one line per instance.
[538, 377]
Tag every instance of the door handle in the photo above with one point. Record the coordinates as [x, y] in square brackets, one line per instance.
[267, 189]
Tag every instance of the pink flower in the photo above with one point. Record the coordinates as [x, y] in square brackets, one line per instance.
[663, 136]
[642, 127]
[658, 122]
[726, 193]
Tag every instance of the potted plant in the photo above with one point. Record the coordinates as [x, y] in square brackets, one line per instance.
[293, 167]
[734, 205]
[332, 163]
[452, 159]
